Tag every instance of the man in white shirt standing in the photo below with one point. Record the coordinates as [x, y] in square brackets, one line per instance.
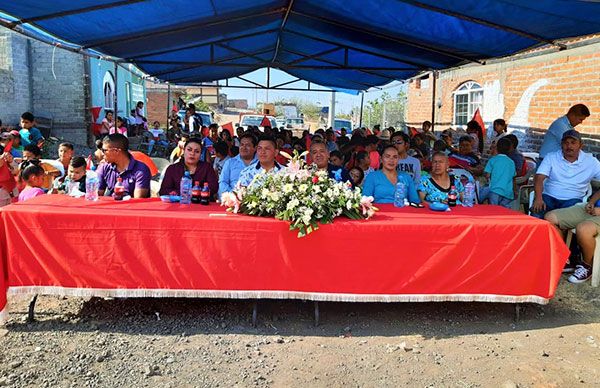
[552, 138]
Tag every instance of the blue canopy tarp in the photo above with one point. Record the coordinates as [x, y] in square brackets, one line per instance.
[351, 44]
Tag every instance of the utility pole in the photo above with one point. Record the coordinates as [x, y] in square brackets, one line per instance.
[332, 110]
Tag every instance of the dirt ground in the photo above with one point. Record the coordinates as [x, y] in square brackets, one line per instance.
[212, 343]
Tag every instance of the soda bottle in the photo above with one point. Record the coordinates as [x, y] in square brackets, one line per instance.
[196, 192]
[185, 189]
[205, 194]
[400, 194]
[119, 191]
[452, 196]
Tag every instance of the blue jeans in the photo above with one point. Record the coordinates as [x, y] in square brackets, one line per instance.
[553, 203]
[497, 199]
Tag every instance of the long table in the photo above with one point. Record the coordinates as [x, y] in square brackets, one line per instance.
[57, 245]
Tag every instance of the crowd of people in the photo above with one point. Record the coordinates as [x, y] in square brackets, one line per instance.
[429, 165]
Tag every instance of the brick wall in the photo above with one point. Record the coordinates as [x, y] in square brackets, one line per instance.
[419, 101]
[529, 92]
[58, 79]
[15, 95]
[27, 83]
[156, 105]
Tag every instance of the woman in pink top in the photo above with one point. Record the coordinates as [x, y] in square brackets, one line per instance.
[33, 176]
[120, 127]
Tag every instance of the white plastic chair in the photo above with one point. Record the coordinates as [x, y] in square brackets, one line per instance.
[458, 172]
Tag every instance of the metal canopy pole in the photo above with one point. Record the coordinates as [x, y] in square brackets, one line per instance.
[433, 74]
[169, 107]
[362, 105]
[116, 107]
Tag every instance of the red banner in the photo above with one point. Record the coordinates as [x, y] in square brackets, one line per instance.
[149, 248]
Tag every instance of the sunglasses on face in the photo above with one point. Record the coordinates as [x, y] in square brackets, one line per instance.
[105, 150]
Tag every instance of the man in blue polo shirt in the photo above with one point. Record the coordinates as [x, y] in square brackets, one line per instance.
[121, 164]
[266, 151]
[230, 174]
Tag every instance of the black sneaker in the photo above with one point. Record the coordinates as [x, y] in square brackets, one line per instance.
[569, 267]
[582, 274]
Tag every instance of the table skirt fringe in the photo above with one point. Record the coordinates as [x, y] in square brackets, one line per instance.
[273, 294]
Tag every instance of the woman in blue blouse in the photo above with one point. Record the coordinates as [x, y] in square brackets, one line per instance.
[381, 184]
[435, 188]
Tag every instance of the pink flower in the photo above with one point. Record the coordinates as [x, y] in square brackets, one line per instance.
[230, 201]
[315, 179]
[366, 204]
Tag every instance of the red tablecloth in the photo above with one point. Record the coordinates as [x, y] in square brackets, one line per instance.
[65, 246]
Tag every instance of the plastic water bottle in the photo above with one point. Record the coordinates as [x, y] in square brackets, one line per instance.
[469, 197]
[400, 194]
[91, 185]
[185, 189]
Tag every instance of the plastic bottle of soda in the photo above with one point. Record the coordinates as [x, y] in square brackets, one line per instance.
[119, 191]
[205, 194]
[452, 196]
[196, 192]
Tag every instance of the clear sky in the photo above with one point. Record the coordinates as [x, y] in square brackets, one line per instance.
[344, 101]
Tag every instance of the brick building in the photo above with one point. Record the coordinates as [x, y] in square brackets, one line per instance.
[50, 83]
[529, 91]
[61, 86]
[156, 95]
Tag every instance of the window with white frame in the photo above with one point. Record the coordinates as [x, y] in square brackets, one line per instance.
[467, 98]
[108, 89]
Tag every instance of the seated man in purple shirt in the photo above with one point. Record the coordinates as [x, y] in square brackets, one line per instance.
[121, 164]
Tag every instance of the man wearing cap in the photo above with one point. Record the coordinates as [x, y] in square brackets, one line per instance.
[552, 138]
[563, 178]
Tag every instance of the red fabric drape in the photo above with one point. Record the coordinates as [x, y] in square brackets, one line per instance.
[467, 254]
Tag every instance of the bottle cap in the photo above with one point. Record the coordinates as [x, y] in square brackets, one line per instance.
[197, 183]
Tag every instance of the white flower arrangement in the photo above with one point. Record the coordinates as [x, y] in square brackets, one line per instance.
[304, 196]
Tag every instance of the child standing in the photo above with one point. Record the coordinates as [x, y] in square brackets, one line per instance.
[500, 170]
[33, 176]
[29, 134]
